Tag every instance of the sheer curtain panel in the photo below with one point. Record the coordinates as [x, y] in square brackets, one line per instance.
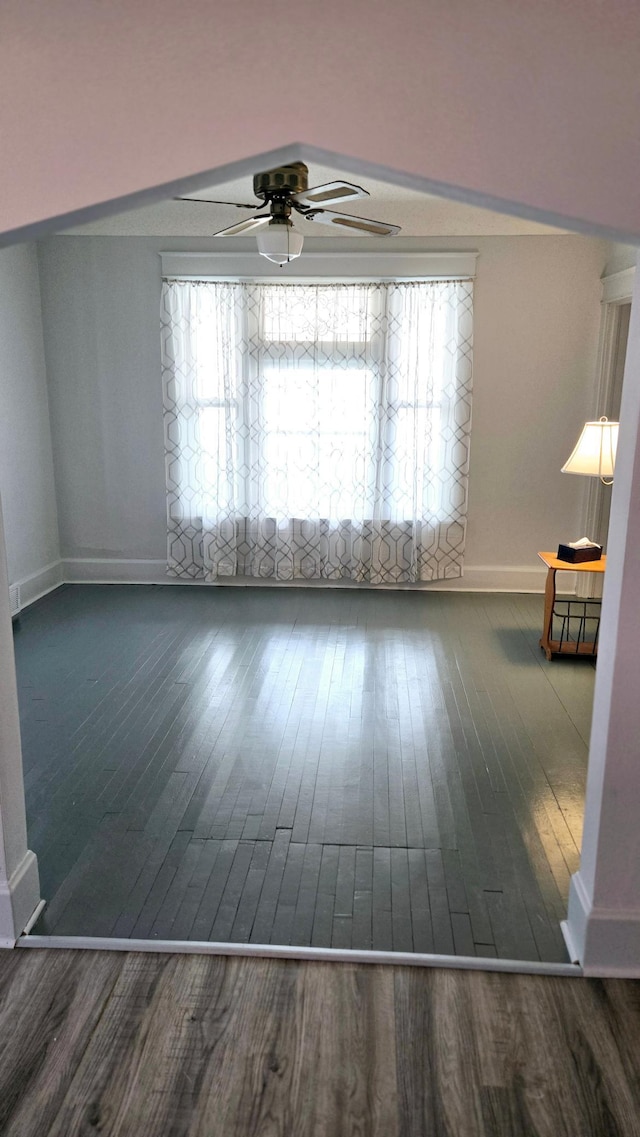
[317, 431]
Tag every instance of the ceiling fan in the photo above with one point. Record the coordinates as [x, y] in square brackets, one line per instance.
[285, 189]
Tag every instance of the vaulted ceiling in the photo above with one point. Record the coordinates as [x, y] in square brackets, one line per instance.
[418, 214]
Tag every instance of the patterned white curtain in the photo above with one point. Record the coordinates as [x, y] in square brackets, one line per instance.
[317, 431]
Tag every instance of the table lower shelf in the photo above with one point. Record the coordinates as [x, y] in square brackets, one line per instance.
[566, 647]
[579, 625]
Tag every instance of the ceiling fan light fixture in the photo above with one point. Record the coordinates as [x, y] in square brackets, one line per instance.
[279, 241]
[286, 188]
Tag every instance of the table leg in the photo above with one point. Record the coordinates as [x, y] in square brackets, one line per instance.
[549, 601]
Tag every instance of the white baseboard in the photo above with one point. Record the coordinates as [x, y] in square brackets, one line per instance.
[19, 898]
[477, 578]
[503, 578]
[604, 941]
[113, 570]
[39, 583]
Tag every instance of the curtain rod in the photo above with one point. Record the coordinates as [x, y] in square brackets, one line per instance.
[207, 278]
[243, 254]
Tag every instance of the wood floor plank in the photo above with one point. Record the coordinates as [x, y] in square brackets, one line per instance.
[325, 897]
[250, 897]
[439, 905]
[169, 732]
[366, 1102]
[381, 900]
[207, 1046]
[157, 850]
[400, 901]
[212, 895]
[192, 895]
[160, 887]
[48, 1010]
[422, 929]
[232, 893]
[440, 1089]
[100, 1093]
[266, 910]
[306, 903]
[282, 929]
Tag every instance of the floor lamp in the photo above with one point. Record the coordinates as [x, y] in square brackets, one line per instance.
[594, 455]
[595, 451]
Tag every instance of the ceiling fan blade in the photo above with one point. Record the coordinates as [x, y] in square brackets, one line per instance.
[346, 221]
[248, 226]
[209, 201]
[329, 193]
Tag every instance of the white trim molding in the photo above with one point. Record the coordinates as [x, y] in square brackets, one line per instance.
[338, 265]
[19, 885]
[19, 900]
[115, 570]
[618, 288]
[39, 583]
[476, 578]
[603, 922]
[604, 940]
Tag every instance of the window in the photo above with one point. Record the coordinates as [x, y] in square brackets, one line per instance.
[320, 405]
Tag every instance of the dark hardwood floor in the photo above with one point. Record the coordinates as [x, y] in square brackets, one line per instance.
[396, 770]
[149, 1045]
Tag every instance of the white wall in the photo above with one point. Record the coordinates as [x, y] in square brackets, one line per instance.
[101, 312]
[537, 319]
[536, 331]
[26, 462]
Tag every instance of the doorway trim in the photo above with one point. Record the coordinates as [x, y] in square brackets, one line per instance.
[617, 290]
[616, 710]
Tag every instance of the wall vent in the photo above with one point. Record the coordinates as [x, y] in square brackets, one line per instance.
[14, 600]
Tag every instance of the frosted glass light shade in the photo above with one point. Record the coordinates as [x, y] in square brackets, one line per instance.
[595, 451]
[279, 242]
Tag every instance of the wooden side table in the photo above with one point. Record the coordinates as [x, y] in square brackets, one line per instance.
[565, 647]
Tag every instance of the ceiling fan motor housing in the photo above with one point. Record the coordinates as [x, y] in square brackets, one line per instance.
[285, 180]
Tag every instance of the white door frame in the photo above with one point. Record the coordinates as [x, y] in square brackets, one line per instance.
[602, 929]
[603, 924]
[19, 884]
[617, 289]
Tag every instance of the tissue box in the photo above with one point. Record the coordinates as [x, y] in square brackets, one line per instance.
[577, 556]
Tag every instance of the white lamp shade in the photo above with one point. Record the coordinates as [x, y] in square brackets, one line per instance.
[279, 242]
[595, 451]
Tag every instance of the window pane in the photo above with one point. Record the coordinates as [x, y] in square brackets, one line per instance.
[416, 484]
[216, 339]
[301, 313]
[219, 458]
[308, 398]
[317, 440]
[424, 345]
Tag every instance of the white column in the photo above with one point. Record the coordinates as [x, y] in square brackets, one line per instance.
[19, 884]
[603, 925]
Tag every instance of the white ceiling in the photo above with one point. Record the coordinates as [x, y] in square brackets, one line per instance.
[419, 214]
